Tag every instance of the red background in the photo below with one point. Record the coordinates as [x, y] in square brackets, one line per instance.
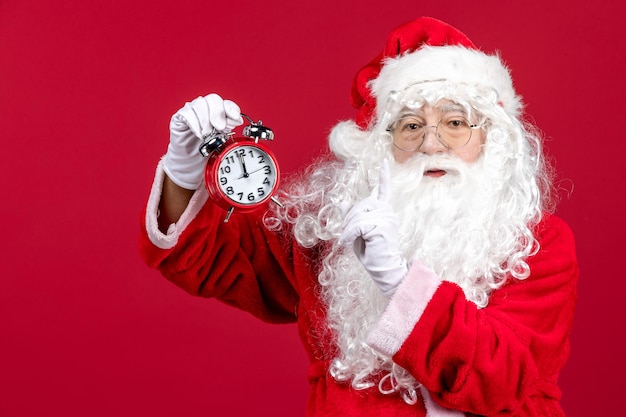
[86, 92]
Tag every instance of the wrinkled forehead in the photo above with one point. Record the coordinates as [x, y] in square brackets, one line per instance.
[442, 107]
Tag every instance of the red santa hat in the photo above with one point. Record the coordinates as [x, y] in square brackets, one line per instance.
[428, 49]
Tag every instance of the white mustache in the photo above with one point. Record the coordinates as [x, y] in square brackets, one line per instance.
[414, 168]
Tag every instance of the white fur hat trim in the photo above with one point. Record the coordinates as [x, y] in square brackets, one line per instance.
[451, 63]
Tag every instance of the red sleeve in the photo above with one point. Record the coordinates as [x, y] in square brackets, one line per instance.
[503, 359]
[240, 263]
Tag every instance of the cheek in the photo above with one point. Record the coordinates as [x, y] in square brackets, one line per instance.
[401, 156]
[470, 152]
[469, 155]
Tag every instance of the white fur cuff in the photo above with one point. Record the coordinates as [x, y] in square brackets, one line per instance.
[169, 239]
[404, 310]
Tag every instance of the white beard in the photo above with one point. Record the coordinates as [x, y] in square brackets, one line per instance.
[453, 225]
[448, 222]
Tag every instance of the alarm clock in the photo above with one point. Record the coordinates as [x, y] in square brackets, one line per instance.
[241, 174]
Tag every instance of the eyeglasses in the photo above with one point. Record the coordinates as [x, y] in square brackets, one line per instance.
[453, 132]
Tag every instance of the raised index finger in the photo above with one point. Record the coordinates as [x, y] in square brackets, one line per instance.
[384, 187]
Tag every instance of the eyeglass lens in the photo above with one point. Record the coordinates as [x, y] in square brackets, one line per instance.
[452, 131]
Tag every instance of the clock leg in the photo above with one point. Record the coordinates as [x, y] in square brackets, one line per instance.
[275, 200]
[230, 212]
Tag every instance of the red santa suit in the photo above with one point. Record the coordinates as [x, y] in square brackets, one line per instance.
[501, 360]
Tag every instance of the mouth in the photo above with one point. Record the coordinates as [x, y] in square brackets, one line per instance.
[435, 173]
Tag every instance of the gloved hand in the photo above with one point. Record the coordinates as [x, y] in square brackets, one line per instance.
[183, 163]
[372, 227]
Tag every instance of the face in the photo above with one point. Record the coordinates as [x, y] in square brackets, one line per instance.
[444, 128]
[247, 175]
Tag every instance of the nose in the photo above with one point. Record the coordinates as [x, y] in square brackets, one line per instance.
[431, 143]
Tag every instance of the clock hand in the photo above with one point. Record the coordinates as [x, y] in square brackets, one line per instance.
[257, 170]
[247, 174]
[243, 166]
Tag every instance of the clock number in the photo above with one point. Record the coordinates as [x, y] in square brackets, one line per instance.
[261, 159]
[225, 170]
[260, 191]
[230, 159]
[268, 170]
[251, 197]
[266, 181]
[223, 180]
[230, 191]
[240, 196]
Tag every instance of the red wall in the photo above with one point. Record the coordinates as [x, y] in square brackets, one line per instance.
[86, 92]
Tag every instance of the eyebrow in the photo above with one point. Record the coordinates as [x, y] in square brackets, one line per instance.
[409, 113]
[452, 107]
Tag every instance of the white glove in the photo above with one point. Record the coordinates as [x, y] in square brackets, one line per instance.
[372, 227]
[183, 163]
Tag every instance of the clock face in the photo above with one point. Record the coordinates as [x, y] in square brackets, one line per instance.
[246, 175]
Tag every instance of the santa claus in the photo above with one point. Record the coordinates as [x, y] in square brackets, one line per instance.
[420, 259]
